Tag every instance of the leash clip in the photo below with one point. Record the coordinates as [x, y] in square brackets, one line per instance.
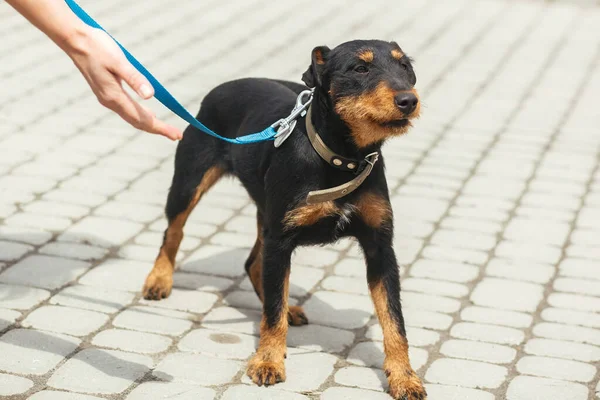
[285, 126]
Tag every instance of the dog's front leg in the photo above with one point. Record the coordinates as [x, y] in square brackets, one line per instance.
[267, 366]
[384, 285]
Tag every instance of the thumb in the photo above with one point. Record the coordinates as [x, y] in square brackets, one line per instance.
[135, 80]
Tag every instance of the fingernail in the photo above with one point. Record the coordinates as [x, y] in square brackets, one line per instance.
[146, 90]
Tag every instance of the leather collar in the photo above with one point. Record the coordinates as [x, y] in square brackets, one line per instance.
[361, 168]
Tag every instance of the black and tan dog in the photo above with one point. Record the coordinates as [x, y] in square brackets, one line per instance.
[364, 94]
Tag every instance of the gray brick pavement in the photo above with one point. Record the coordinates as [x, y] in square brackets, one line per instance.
[496, 196]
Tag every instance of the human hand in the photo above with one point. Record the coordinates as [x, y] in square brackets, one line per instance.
[105, 67]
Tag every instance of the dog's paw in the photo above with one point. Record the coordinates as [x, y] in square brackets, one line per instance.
[405, 385]
[157, 286]
[265, 372]
[296, 316]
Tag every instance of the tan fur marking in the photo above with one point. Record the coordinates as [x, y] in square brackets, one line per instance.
[366, 56]
[267, 365]
[366, 113]
[319, 57]
[401, 377]
[397, 54]
[160, 280]
[374, 209]
[309, 214]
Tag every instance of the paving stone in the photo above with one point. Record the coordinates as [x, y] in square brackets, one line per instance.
[46, 207]
[67, 320]
[92, 298]
[418, 208]
[131, 275]
[426, 319]
[430, 303]
[75, 197]
[228, 319]
[432, 286]
[46, 222]
[196, 368]
[579, 268]
[556, 368]
[415, 336]
[449, 253]
[21, 297]
[339, 310]
[101, 231]
[344, 393]
[567, 332]
[537, 231]
[170, 390]
[10, 251]
[471, 225]
[520, 251]
[33, 236]
[314, 257]
[8, 317]
[20, 346]
[319, 338]
[571, 317]
[366, 378]
[203, 283]
[131, 341]
[353, 267]
[11, 385]
[74, 250]
[562, 349]
[478, 351]
[497, 317]
[44, 271]
[442, 392]
[574, 302]
[453, 272]
[56, 395]
[521, 271]
[217, 260]
[464, 239]
[219, 344]
[100, 371]
[346, 285]
[371, 354]
[185, 300]
[147, 319]
[129, 211]
[491, 292]
[471, 374]
[533, 388]
[586, 252]
[487, 333]
[246, 299]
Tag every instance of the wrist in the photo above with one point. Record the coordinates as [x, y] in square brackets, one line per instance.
[75, 41]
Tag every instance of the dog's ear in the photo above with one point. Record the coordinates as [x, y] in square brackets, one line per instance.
[312, 76]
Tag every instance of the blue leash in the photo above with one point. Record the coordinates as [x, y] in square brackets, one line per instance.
[167, 99]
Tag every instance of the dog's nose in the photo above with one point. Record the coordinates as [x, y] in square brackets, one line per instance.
[407, 102]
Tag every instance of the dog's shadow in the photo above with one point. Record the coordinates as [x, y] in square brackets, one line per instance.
[245, 318]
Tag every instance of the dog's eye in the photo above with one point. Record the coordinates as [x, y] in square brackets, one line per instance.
[404, 66]
[361, 69]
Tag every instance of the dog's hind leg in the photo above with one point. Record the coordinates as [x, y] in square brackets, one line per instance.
[254, 265]
[183, 196]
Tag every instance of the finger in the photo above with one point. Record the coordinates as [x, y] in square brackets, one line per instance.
[141, 117]
[135, 80]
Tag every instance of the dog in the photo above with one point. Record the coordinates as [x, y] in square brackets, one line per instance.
[363, 95]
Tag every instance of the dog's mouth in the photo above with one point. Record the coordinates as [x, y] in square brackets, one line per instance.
[397, 123]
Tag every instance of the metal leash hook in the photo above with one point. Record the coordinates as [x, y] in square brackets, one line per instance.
[285, 126]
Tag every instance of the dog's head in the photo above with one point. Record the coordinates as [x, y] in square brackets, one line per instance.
[371, 86]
